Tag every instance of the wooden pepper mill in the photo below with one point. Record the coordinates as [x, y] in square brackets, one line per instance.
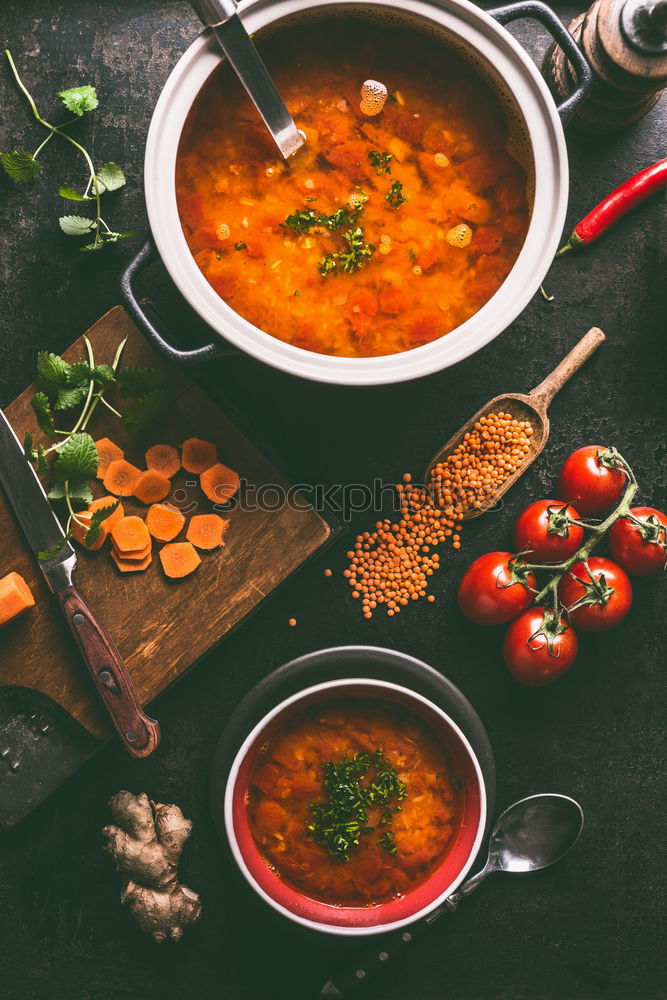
[625, 42]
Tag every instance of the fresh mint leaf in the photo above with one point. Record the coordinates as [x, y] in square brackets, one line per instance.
[97, 244]
[67, 399]
[79, 99]
[110, 176]
[42, 407]
[98, 516]
[20, 165]
[29, 447]
[77, 460]
[69, 192]
[79, 373]
[52, 372]
[42, 463]
[137, 381]
[77, 492]
[145, 408]
[103, 374]
[76, 225]
[54, 550]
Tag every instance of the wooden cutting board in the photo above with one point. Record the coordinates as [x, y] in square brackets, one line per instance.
[161, 627]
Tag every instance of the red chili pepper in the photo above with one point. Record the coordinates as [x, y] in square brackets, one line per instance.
[626, 197]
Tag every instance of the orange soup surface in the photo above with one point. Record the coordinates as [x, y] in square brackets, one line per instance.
[382, 233]
[398, 846]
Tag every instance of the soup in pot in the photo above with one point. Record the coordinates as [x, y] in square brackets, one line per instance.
[386, 230]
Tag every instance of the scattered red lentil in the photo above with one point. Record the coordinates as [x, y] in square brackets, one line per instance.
[391, 565]
[292, 622]
[327, 572]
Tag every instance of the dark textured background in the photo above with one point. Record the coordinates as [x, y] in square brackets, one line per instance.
[587, 929]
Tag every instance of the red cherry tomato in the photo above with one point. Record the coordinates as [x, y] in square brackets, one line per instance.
[589, 485]
[492, 592]
[527, 652]
[544, 533]
[616, 594]
[641, 550]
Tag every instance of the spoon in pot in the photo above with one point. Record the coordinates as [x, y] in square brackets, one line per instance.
[222, 18]
[532, 407]
[530, 835]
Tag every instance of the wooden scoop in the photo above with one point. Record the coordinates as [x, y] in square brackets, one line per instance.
[532, 407]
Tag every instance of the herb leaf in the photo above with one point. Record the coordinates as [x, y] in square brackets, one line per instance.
[65, 191]
[380, 161]
[146, 407]
[111, 176]
[52, 372]
[20, 165]
[394, 196]
[79, 99]
[77, 459]
[42, 407]
[68, 398]
[76, 225]
[55, 549]
[97, 517]
[77, 492]
[138, 380]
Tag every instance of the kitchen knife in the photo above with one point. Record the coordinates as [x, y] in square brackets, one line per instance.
[221, 17]
[139, 733]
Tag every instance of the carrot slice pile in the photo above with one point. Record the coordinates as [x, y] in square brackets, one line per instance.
[151, 486]
[15, 597]
[107, 452]
[121, 478]
[130, 535]
[131, 565]
[164, 522]
[79, 531]
[108, 502]
[206, 531]
[219, 483]
[163, 458]
[179, 559]
[198, 455]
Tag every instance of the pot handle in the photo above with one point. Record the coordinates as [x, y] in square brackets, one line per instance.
[150, 327]
[540, 12]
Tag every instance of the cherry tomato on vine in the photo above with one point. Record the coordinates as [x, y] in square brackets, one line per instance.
[537, 649]
[493, 589]
[587, 482]
[640, 548]
[610, 592]
[544, 532]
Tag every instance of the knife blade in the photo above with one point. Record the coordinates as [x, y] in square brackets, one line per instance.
[221, 17]
[139, 733]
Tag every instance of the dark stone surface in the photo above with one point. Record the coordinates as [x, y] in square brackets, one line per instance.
[589, 928]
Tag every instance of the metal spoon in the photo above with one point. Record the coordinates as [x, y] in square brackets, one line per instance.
[532, 834]
[222, 18]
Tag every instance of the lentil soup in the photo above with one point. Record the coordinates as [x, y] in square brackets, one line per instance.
[386, 230]
[333, 757]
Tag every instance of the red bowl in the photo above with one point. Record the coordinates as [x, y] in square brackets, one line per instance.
[357, 920]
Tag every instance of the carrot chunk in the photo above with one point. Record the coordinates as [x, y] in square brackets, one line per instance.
[108, 502]
[219, 483]
[79, 531]
[121, 478]
[151, 486]
[179, 559]
[206, 531]
[131, 565]
[107, 452]
[164, 521]
[163, 458]
[15, 597]
[136, 555]
[198, 455]
[130, 534]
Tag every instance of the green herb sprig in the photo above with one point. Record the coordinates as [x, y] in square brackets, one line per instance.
[22, 166]
[394, 196]
[357, 254]
[381, 161]
[339, 823]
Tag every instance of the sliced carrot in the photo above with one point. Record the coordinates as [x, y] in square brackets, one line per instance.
[164, 521]
[130, 534]
[107, 452]
[151, 486]
[108, 502]
[136, 555]
[198, 455]
[219, 483]
[131, 565]
[179, 559]
[121, 478]
[15, 597]
[163, 458]
[206, 531]
[79, 531]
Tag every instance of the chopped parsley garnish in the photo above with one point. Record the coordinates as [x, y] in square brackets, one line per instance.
[357, 254]
[380, 161]
[392, 98]
[339, 823]
[305, 219]
[395, 196]
[218, 254]
[411, 254]
[240, 246]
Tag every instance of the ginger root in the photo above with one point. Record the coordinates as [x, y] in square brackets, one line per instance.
[146, 844]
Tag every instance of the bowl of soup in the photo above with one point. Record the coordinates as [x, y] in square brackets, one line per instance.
[393, 244]
[355, 807]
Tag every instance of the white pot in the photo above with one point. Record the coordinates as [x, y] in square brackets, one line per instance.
[458, 22]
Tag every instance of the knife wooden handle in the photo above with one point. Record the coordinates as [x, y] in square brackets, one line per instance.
[139, 734]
